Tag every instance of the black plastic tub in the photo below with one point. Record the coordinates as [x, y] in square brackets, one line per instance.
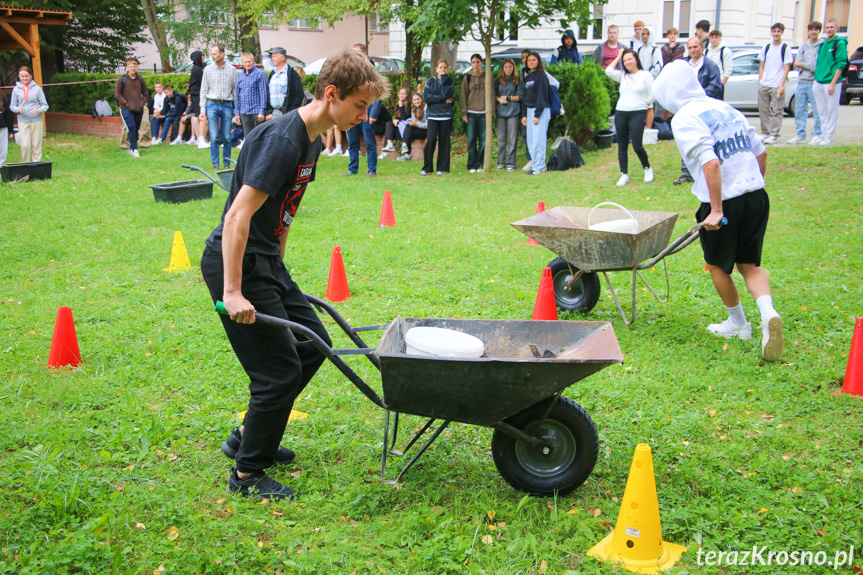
[178, 192]
[603, 139]
[26, 171]
[226, 176]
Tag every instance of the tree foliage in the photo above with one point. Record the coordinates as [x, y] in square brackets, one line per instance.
[99, 36]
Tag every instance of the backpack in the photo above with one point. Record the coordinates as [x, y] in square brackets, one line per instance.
[554, 96]
[568, 156]
[847, 61]
[767, 47]
[722, 57]
[101, 108]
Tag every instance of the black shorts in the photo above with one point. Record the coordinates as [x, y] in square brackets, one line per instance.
[740, 241]
[196, 104]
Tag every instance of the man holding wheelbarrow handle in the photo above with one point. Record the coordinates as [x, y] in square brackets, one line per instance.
[727, 159]
[243, 264]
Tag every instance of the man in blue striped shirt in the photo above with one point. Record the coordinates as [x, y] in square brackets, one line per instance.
[251, 100]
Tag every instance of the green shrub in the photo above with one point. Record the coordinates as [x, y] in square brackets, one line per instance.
[79, 98]
[585, 100]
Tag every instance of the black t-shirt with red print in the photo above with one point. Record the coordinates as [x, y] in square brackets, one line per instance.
[278, 159]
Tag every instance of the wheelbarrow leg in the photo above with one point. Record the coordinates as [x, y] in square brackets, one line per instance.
[419, 453]
[419, 434]
[626, 320]
[667, 283]
[386, 441]
[393, 449]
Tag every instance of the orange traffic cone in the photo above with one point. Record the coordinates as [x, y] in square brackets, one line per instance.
[636, 543]
[545, 307]
[388, 217]
[64, 344]
[706, 268]
[337, 286]
[540, 207]
[853, 383]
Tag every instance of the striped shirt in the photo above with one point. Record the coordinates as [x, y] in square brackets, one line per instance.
[218, 84]
[251, 92]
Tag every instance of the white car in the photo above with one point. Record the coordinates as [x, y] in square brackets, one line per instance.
[741, 90]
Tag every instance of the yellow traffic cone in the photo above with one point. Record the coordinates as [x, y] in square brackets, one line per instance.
[179, 255]
[636, 542]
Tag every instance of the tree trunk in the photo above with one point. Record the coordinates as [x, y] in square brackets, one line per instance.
[447, 50]
[413, 60]
[250, 39]
[158, 33]
[489, 105]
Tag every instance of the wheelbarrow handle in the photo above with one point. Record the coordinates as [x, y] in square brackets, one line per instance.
[209, 177]
[295, 328]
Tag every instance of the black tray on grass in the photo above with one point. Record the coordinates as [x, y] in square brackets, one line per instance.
[178, 192]
[26, 171]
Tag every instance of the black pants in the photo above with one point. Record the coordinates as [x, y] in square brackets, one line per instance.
[630, 124]
[249, 122]
[523, 130]
[412, 134]
[437, 130]
[392, 133]
[278, 369]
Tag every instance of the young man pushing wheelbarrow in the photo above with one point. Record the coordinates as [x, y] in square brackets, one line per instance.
[243, 264]
[726, 158]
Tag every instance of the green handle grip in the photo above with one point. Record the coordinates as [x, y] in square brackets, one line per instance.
[220, 308]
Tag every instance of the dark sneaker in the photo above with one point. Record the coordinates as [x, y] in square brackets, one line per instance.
[372, 174]
[349, 174]
[231, 445]
[682, 180]
[260, 485]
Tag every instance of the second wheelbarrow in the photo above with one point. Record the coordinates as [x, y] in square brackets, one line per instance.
[225, 176]
[543, 443]
[584, 252]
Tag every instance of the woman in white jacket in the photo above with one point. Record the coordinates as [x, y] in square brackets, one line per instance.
[634, 111]
[649, 55]
[28, 101]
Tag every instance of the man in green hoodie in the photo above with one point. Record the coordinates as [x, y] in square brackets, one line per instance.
[832, 59]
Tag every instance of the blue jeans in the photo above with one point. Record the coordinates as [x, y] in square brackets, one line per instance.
[219, 118]
[133, 124]
[537, 138]
[475, 140]
[154, 126]
[802, 99]
[367, 131]
[169, 121]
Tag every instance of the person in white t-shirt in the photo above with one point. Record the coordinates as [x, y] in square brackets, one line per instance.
[776, 61]
[728, 161]
[633, 113]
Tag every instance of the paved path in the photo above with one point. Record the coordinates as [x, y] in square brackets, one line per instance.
[849, 131]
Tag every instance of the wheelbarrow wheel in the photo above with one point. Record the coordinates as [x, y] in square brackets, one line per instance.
[568, 464]
[584, 293]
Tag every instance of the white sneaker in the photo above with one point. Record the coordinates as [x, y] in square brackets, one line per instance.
[727, 329]
[527, 167]
[796, 140]
[404, 158]
[347, 154]
[389, 148]
[772, 342]
[131, 153]
[624, 179]
[136, 153]
[192, 142]
[382, 155]
[405, 149]
[815, 140]
[177, 141]
[648, 174]
[202, 144]
[769, 140]
[472, 171]
[825, 143]
[156, 141]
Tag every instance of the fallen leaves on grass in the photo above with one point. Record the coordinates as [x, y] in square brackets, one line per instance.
[173, 533]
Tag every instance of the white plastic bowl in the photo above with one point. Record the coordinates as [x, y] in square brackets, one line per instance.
[436, 341]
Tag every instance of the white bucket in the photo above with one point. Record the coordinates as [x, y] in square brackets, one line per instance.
[626, 226]
[651, 136]
[442, 342]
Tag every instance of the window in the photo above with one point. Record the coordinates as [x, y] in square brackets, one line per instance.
[839, 9]
[375, 24]
[268, 20]
[302, 24]
[507, 26]
[746, 64]
[594, 29]
[677, 14]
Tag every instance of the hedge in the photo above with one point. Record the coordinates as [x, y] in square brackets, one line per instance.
[79, 98]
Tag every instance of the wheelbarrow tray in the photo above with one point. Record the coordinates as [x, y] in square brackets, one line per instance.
[226, 176]
[564, 230]
[25, 171]
[177, 192]
[506, 380]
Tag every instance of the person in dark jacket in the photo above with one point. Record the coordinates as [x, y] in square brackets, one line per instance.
[508, 93]
[131, 94]
[195, 79]
[7, 127]
[284, 86]
[568, 50]
[173, 108]
[439, 95]
[537, 102]
[522, 109]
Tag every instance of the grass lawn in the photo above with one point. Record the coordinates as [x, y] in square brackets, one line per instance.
[115, 467]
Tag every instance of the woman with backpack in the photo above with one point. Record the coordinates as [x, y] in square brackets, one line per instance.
[537, 100]
[508, 93]
[28, 101]
[634, 111]
[439, 94]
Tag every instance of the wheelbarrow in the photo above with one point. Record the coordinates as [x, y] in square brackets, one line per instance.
[225, 176]
[585, 252]
[543, 443]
